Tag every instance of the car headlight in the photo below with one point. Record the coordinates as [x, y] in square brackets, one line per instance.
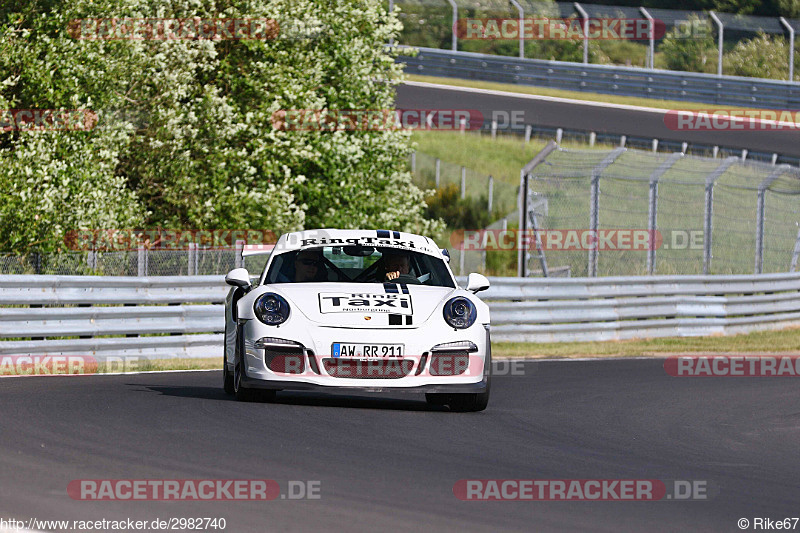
[271, 309]
[460, 313]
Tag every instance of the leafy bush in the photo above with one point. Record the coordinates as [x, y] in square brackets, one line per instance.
[760, 57]
[690, 54]
[458, 213]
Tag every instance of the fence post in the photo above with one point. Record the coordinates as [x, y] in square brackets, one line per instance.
[709, 211]
[652, 45]
[791, 47]
[652, 213]
[521, 32]
[438, 170]
[238, 260]
[494, 129]
[585, 18]
[414, 162]
[760, 213]
[453, 26]
[141, 261]
[528, 129]
[594, 205]
[522, 205]
[463, 182]
[721, 31]
[491, 194]
[191, 253]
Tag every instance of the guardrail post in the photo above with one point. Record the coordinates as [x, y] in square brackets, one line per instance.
[414, 162]
[791, 47]
[585, 17]
[721, 31]
[438, 170]
[594, 206]
[494, 129]
[463, 182]
[622, 140]
[592, 138]
[559, 135]
[141, 261]
[238, 260]
[709, 211]
[528, 129]
[652, 213]
[760, 212]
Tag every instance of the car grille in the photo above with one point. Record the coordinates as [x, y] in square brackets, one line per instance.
[369, 369]
[286, 360]
[448, 363]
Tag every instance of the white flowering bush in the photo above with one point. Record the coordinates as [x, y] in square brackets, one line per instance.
[186, 134]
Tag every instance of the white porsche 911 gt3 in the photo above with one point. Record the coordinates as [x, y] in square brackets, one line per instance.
[359, 310]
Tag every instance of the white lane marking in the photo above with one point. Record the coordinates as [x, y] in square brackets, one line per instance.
[536, 97]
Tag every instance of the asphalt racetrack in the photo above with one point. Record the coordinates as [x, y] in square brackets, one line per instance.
[591, 116]
[390, 464]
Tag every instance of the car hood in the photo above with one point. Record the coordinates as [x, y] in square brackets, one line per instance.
[363, 305]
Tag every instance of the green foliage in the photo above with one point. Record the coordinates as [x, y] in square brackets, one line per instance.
[466, 213]
[689, 53]
[186, 135]
[760, 57]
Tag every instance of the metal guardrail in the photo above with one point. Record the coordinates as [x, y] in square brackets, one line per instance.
[615, 308]
[533, 309]
[606, 79]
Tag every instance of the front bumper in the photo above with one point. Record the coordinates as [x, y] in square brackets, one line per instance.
[314, 351]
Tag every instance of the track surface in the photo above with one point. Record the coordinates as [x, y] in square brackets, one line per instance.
[589, 117]
[390, 464]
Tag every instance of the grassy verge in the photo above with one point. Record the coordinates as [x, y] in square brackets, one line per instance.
[154, 365]
[573, 95]
[762, 342]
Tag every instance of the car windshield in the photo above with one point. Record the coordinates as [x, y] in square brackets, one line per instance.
[359, 264]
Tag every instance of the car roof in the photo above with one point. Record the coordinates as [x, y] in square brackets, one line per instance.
[307, 239]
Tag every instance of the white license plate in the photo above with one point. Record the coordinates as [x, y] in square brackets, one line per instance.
[367, 351]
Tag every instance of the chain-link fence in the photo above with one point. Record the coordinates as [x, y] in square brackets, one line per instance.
[185, 262]
[629, 212]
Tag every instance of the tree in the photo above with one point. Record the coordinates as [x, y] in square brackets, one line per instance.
[186, 135]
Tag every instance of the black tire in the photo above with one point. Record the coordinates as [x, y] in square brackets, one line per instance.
[243, 394]
[227, 378]
[464, 402]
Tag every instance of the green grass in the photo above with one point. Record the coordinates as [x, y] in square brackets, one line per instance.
[762, 342]
[573, 95]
